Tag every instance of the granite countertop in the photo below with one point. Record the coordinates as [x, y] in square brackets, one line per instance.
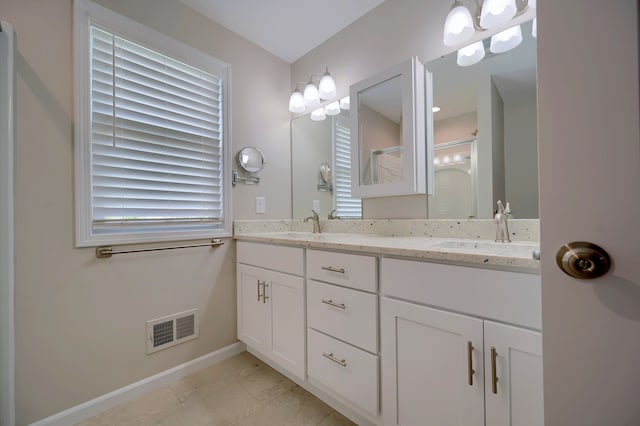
[515, 256]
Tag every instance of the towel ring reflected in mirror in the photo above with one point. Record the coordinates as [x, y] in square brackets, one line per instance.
[251, 160]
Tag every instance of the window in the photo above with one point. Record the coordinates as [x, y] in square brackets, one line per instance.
[151, 134]
[346, 206]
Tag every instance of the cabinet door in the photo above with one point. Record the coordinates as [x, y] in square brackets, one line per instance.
[286, 305]
[425, 366]
[252, 311]
[518, 398]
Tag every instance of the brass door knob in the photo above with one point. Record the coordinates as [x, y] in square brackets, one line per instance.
[583, 260]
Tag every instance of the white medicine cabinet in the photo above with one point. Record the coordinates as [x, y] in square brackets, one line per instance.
[389, 132]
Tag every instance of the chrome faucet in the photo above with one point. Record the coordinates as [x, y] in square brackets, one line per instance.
[501, 220]
[316, 221]
[333, 215]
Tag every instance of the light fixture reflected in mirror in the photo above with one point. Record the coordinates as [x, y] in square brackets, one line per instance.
[506, 40]
[471, 54]
[534, 28]
[333, 108]
[318, 114]
[345, 103]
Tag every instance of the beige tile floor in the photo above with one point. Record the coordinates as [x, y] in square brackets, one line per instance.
[240, 391]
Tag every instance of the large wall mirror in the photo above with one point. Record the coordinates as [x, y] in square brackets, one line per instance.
[388, 132]
[321, 167]
[485, 133]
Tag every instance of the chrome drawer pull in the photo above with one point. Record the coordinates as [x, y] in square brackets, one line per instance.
[333, 269]
[494, 371]
[470, 369]
[332, 303]
[342, 362]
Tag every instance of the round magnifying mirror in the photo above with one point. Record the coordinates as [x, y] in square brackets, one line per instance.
[251, 159]
[325, 172]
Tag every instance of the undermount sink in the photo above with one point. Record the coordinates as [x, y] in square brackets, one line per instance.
[518, 249]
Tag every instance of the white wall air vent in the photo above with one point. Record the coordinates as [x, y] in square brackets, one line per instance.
[171, 330]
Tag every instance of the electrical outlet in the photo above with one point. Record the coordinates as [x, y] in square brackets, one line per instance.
[316, 206]
[261, 205]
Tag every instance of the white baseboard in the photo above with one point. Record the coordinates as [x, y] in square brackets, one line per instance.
[102, 403]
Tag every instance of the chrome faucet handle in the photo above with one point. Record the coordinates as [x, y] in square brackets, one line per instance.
[333, 215]
[316, 221]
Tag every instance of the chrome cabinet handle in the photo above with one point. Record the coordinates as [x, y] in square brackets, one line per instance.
[470, 369]
[258, 288]
[264, 291]
[333, 269]
[342, 362]
[332, 303]
[494, 373]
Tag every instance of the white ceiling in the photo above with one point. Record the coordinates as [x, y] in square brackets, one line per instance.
[287, 28]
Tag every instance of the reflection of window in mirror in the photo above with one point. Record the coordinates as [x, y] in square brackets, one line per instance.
[346, 206]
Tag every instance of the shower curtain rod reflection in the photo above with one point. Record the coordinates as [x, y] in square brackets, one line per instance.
[107, 251]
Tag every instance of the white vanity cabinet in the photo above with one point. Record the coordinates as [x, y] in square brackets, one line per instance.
[342, 320]
[270, 288]
[439, 361]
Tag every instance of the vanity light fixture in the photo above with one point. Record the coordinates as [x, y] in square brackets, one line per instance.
[435, 109]
[311, 95]
[327, 87]
[318, 114]
[296, 102]
[459, 26]
[506, 40]
[496, 13]
[470, 55]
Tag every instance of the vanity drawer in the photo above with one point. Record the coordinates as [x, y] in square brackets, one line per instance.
[268, 256]
[350, 270]
[344, 369]
[510, 297]
[349, 315]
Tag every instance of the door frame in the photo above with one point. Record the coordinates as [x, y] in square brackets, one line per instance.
[7, 255]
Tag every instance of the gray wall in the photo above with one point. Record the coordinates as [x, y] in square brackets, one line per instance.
[80, 322]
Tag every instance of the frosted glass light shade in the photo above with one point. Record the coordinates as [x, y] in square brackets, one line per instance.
[496, 13]
[534, 28]
[332, 109]
[327, 87]
[318, 114]
[471, 54]
[296, 102]
[345, 103]
[506, 40]
[458, 28]
[311, 95]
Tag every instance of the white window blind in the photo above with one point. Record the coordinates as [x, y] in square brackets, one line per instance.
[346, 206]
[156, 139]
